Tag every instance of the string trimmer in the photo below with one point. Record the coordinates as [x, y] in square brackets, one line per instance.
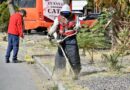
[68, 65]
[27, 56]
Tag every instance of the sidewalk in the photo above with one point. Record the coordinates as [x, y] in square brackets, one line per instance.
[15, 76]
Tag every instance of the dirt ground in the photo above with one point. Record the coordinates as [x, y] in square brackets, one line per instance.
[38, 44]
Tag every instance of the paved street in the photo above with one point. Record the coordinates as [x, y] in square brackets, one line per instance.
[15, 76]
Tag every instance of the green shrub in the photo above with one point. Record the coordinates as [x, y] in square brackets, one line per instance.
[4, 17]
[89, 40]
[112, 61]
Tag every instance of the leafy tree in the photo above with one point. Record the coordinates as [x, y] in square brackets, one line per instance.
[119, 17]
[4, 16]
[90, 40]
[117, 23]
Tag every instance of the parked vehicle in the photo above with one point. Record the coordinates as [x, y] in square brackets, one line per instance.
[40, 13]
[90, 19]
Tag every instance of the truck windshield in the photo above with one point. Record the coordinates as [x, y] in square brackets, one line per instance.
[25, 3]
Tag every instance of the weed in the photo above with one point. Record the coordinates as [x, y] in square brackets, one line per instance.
[112, 61]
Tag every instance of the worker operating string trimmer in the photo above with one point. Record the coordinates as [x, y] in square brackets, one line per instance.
[64, 29]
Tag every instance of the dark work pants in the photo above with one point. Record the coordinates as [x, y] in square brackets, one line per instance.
[71, 49]
[13, 44]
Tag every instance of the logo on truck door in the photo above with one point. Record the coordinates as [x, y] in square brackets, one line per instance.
[52, 8]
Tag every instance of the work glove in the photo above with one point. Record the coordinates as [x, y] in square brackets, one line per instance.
[76, 28]
[59, 41]
[22, 35]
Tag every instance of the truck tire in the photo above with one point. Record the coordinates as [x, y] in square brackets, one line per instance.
[27, 31]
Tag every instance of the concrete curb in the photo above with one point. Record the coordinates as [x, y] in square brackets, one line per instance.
[48, 73]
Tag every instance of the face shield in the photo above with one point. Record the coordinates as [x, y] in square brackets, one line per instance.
[66, 14]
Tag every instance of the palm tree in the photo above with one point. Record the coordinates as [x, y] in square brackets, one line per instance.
[119, 16]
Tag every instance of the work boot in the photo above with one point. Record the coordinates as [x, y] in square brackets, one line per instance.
[15, 61]
[7, 61]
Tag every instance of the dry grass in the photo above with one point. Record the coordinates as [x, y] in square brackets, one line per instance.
[41, 46]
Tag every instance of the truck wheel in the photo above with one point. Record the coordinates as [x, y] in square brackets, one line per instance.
[45, 32]
[27, 31]
[42, 29]
[39, 29]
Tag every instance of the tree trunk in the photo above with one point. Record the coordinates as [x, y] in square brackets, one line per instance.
[11, 7]
[91, 53]
[83, 52]
[113, 38]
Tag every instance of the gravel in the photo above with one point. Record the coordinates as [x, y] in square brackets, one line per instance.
[95, 82]
[88, 69]
[107, 83]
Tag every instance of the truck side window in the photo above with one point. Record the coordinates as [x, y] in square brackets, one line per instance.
[26, 3]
